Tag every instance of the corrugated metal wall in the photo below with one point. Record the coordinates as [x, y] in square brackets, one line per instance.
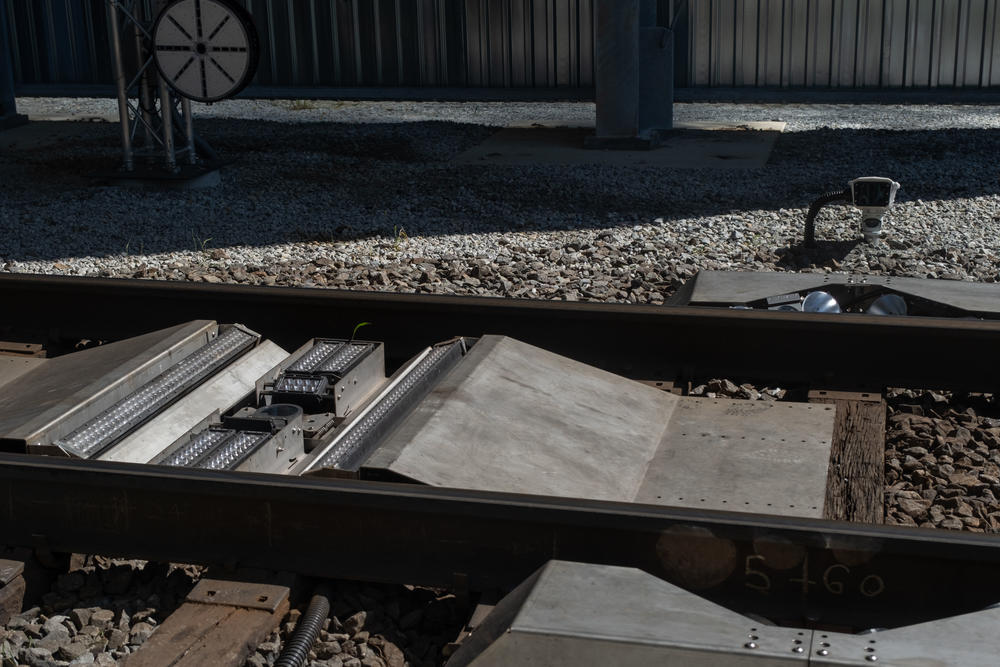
[549, 43]
[478, 43]
[490, 43]
[844, 43]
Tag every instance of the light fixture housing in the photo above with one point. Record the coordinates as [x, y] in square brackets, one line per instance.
[820, 302]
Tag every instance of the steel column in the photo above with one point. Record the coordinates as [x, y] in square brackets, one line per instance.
[634, 75]
[121, 84]
[8, 107]
[617, 60]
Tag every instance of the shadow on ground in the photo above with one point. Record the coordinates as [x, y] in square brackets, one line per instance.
[328, 182]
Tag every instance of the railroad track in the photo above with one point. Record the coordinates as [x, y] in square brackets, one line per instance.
[848, 573]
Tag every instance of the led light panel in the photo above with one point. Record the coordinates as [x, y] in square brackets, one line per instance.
[227, 455]
[341, 360]
[199, 445]
[313, 357]
[300, 385]
[360, 429]
[118, 420]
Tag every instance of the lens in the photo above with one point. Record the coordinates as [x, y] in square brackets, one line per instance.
[820, 302]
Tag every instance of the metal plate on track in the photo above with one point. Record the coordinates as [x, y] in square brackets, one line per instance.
[737, 455]
[53, 399]
[968, 640]
[12, 368]
[220, 392]
[513, 417]
[249, 595]
[516, 418]
[735, 287]
[581, 615]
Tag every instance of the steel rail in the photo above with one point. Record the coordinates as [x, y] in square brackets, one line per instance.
[831, 572]
[641, 342]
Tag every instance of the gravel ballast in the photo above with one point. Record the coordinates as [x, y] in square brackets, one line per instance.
[943, 461]
[364, 196]
[95, 615]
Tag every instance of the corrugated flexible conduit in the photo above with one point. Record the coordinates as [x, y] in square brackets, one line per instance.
[297, 648]
[843, 196]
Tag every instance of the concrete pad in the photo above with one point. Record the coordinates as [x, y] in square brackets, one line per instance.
[693, 145]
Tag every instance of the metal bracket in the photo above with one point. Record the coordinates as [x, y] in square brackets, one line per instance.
[266, 597]
[833, 395]
[10, 570]
[669, 386]
[13, 349]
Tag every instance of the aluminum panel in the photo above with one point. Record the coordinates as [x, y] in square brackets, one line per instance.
[525, 420]
[735, 287]
[12, 368]
[221, 392]
[582, 615]
[749, 456]
[968, 640]
[60, 395]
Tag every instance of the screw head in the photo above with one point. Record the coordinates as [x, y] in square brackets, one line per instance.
[750, 645]
[798, 649]
[822, 651]
[871, 658]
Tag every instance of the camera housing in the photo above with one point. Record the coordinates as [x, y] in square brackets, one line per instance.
[874, 195]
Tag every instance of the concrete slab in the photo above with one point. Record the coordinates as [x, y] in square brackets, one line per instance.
[744, 456]
[691, 145]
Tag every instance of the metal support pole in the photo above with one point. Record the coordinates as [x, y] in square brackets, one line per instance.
[8, 106]
[634, 76]
[166, 105]
[656, 78]
[145, 81]
[116, 55]
[189, 130]
[617, 75]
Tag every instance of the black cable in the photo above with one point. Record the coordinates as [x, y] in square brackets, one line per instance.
[297, 648]
[844, 196]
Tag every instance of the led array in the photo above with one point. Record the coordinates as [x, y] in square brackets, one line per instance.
[313, 357]
[126, 414]
[300, 385]
[231, 452]
[360, 429]
[342, 359]
[197, 447]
